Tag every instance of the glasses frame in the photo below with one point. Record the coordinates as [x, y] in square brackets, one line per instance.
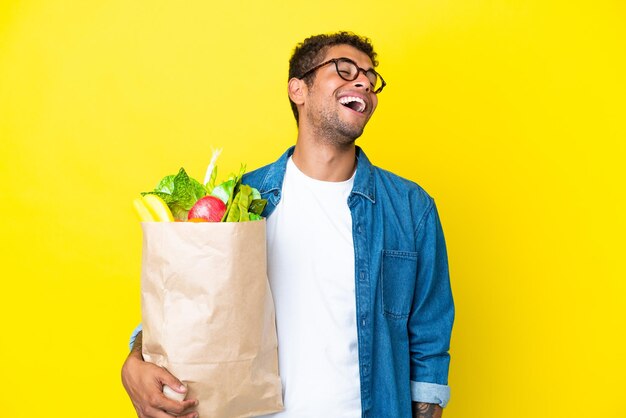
[356, 75]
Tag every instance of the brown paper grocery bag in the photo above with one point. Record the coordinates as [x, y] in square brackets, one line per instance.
[208, 314]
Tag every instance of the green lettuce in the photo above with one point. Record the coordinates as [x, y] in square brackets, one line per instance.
[180, 192]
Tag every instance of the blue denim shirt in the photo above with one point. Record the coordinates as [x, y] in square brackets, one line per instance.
[404, 302]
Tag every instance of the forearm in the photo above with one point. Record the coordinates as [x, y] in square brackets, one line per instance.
[426, 410]
[137, 346]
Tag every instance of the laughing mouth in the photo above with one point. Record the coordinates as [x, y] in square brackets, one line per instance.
[355, 103]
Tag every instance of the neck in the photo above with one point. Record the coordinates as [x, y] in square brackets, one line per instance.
[323, 161]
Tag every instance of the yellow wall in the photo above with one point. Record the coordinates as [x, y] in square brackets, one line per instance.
[510, 113]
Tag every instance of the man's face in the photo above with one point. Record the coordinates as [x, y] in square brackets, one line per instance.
[333, 107]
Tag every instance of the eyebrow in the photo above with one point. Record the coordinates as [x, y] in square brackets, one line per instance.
[350, 59]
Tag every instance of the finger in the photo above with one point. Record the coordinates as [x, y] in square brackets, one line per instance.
[189, 415]
[174, 407]
[166, 378]
[189, 406]
[157, 413]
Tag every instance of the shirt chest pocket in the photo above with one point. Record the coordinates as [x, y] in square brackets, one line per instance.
[398, 276]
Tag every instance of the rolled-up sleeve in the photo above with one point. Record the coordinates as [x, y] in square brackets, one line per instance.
[432, 314]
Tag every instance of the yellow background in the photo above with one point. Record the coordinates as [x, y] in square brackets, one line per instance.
[510, 113]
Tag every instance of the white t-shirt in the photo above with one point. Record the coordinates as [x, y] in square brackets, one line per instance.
[311, 273]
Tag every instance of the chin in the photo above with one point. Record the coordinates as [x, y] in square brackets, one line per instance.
[337, 131]
[341, 136]
[351, 133]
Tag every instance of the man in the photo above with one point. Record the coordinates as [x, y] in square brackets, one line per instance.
[356, 260]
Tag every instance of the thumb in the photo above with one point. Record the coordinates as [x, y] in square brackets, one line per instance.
[166, 378]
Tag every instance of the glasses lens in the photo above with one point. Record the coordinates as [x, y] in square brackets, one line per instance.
[347, 69]
[373, 77]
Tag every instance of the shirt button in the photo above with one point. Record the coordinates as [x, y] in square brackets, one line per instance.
[360, 229]
[362, 275]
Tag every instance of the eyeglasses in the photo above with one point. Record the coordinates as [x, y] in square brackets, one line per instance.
[349, 71]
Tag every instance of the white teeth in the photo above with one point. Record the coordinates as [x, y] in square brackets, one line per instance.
[348, 99]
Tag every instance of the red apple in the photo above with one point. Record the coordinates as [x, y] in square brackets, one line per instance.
[209, 208]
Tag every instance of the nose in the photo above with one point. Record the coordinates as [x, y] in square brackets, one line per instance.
[362, 81]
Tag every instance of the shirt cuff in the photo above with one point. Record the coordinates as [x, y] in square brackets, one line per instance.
[133, 337]
[430, 393]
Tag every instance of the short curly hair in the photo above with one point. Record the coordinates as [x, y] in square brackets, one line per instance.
[312, 50]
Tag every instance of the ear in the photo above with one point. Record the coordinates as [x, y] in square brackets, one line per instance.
[297, 90]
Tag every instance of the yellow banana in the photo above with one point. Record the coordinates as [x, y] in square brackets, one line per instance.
[151, 208]
[158, 208]
[142, 210]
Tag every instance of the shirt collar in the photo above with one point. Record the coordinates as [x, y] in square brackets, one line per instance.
[363, 179]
